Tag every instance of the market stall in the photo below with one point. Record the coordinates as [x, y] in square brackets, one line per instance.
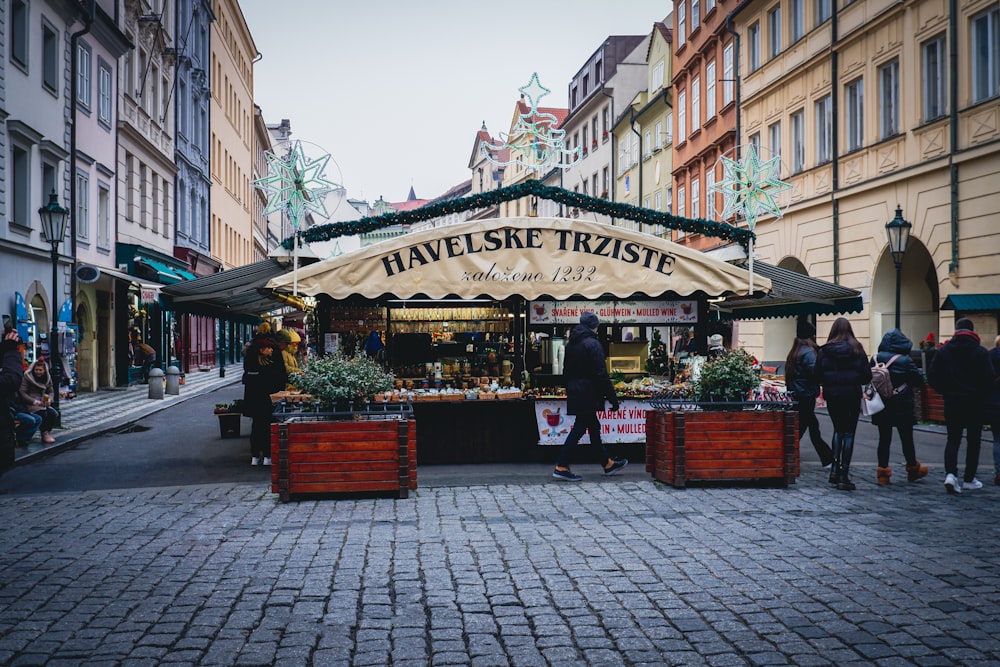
[458, 313]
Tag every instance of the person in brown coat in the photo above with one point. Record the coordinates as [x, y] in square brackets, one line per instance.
[36, 397]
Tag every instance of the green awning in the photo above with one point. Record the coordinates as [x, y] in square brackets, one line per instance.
[972, 303]
[186, 275]
[791, 294]
[166, 274]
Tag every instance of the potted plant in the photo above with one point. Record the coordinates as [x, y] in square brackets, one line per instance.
[342, 382]
[730, 377]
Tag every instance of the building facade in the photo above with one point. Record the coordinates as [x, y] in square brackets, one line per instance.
[874, 105]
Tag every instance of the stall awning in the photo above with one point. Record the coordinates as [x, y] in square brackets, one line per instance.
[230, 294]
[529, 257]
[972, 303]
[791, 294]
[166, 274]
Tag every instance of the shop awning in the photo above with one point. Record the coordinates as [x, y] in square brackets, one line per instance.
[529, 257]
[791, 294]
[166, 274]
[972, 303]
[231, 294]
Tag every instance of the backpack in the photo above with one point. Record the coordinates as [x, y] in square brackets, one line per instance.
[881, 380]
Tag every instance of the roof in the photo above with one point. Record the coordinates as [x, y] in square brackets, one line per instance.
[972, 303]
[791, 294]
[230, 294]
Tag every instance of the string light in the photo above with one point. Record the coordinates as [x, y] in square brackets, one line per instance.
[296, 183]
[750, 186]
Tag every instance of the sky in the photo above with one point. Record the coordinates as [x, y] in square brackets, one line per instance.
[395, 90]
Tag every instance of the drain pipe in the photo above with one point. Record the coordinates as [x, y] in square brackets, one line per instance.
[736, 74]
[611, 136]
[953, 136]
[88, 21]
[631, 122]
[835, 143]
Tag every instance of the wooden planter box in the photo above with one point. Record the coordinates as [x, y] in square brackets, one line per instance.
[685, 446]
[932, 404]
[316, 457]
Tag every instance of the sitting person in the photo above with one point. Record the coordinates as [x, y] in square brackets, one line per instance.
[28, 423]
[36, 393]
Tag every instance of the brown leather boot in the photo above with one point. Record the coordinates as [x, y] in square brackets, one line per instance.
[884, 476]
[915, 472]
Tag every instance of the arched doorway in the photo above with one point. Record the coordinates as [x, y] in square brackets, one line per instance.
[86, 359]
[919, 295]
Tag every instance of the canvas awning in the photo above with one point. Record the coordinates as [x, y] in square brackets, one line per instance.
[791, 294]
[528, 257]
[972, 303]
[230, 294]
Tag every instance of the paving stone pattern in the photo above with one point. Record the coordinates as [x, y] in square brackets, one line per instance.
[633, 573]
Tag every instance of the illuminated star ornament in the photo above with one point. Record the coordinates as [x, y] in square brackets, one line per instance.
[533, 142]
[297, 184]
[750, 186]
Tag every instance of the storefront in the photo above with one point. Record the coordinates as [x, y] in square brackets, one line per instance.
[487, 303]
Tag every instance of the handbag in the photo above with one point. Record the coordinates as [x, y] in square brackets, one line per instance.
[871, 402]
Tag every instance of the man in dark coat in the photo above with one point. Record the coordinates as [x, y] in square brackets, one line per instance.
[263, 374]
[11, 372]
[962, 374]
[993, 408]
[587, 387]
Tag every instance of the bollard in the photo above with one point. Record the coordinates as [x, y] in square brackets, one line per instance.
[173, 380]
[155, 383]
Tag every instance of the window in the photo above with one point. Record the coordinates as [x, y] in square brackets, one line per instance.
[605, 116]
[753, 46]
[798, 141]
[695, 198]
[695, 14]
[635, 148]
[19, 19]
[682, 116]
[888, 93]
[670, 200]
[82, 206]
[669, 138]
[823, 11]
[657, 81]
[83, 75]
[695, 104]
[586, 86]
[798, 26]
[658, 139]
[605, 181]
[681, 23]
[710, 91]
[755, 142]
[986, 55]
[774, 137]
[647, 140]
[50, 58]
[658, 198]
[824, 130]
[710, 193]
[681, 210]
[774, 30]
[709, 5]
[934, 78]
[727, 74]
[855, 104]
[21, 213]
[105, 93]
[103, 216]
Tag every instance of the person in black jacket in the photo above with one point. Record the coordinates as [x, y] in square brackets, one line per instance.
[263, 374]
[992, 416]
[11, 371]
[962, 374]
[587, 387]
[842, 367]
[800, 378]
[898, 412]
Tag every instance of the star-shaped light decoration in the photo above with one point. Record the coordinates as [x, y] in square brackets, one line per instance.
[533, 142]
[297, 184]
[750, 186]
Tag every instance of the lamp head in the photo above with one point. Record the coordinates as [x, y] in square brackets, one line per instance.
[898, 231]
[54, 219]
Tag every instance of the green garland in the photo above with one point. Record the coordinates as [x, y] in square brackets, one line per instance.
[612, 209]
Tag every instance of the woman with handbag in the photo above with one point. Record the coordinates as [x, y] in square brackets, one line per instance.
[842, 368]
[894, 351]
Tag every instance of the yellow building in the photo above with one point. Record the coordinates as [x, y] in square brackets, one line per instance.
[232, 136]
[868, 112]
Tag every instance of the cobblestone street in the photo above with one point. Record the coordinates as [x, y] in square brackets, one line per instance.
[626, 573]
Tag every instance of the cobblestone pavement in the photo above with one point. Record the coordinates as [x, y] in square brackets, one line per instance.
[628, 573]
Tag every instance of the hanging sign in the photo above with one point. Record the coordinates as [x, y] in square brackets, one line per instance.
[148, 294]
[615, 312]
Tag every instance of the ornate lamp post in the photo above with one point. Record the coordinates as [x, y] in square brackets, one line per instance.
[898, 231]
[54, 219]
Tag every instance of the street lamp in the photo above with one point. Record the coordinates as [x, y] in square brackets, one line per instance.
[54, 230]
[898, 231]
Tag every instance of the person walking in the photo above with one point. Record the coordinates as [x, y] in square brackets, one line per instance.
[263, 374]
[962, 374]
[11, 371]
[142, 355]
[894, 350]
[992, 416]
[842, 367]
[36, 397]
[587, 387]
[800, 378]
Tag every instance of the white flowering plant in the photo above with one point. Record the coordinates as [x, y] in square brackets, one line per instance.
[335, 378]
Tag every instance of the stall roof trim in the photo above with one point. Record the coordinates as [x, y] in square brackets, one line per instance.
[530, 257]
[972, 303]
[230, 294]
[792, 294]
